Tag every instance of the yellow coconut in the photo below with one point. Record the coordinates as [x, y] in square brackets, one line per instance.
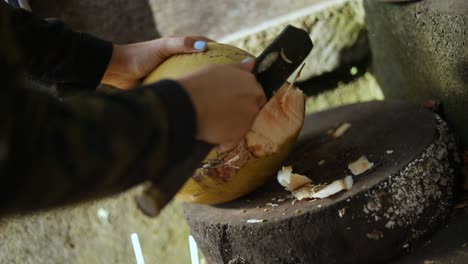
[226, 176]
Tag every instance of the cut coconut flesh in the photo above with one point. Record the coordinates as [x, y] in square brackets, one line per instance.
[302, 187]
[305, 192]
[256, 158]
[311, 191]
[284, 176]
[291, 181]
[334, 187]
[341, 130]
[279, 120]
[348, 182]
[360, 166]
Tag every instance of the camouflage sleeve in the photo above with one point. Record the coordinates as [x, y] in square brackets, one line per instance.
[55, 152]
[92, 145]
[53, 53]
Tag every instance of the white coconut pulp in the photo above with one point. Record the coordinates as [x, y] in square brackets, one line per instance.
[335, 187]
[360, 166]
[302, 187]
[291, 181]
[341, 130]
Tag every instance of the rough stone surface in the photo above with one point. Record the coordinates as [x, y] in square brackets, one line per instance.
[95, 232]
[216, 19]
[420, 52]
[119, 21]
[407, 195]
[361, 89]
[449, 245]
[336, 29]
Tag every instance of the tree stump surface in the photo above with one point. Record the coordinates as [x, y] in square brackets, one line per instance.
[405, 196]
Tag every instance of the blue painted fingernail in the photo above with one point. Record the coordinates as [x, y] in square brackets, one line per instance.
[247, 60]
[199, 45]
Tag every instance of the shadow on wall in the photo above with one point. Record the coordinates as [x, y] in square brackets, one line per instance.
[119, 21]
[354, 62]
[463, 70]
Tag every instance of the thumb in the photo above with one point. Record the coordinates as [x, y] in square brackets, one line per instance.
[247, 64]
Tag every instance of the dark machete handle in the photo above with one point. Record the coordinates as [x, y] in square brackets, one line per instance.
[281, 58]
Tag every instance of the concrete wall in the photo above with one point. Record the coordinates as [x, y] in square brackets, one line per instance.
[420, 52]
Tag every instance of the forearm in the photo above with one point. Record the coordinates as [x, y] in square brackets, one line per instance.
[54, 53]
[93, 145]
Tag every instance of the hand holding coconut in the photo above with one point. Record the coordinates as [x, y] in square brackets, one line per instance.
[227, 99]
[130, 63]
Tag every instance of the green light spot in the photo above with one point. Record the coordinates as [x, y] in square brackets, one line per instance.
[353, 71]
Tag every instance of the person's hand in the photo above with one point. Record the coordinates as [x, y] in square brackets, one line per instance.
[130, 63]
[227, 99]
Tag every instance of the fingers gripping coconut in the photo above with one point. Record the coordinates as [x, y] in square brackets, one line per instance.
[228, 174]
[226, 113]
[132, 62]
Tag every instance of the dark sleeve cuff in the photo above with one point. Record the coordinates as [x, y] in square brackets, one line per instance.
[181, 118]
[92, 58]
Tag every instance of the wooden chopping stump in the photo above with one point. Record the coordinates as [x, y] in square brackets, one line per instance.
[405, 196]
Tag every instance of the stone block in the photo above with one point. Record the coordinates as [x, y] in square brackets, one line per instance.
[420, 52]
